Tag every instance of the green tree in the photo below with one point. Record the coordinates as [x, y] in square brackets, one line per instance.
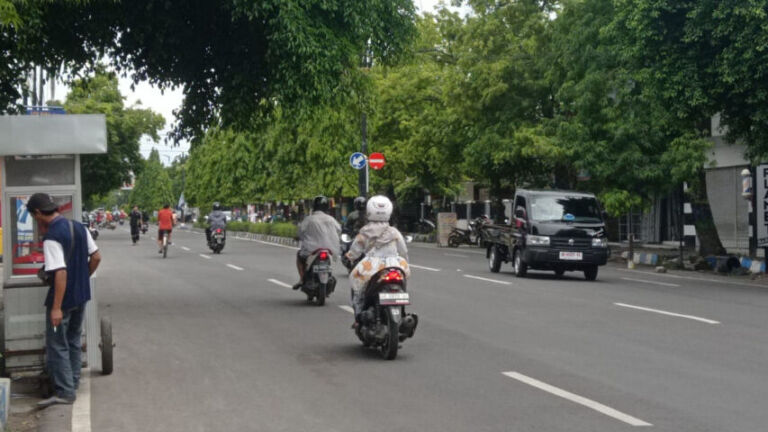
[229, 56]
[152, 188]
[126, 126]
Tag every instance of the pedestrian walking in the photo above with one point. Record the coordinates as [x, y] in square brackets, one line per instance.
[135, 222]
[71, 257]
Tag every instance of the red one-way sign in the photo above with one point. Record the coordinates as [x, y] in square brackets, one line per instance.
[376, 161]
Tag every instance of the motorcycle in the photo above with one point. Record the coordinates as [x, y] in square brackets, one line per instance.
[459, 236]
[92, 229]
[383, 322]
[144, 228]
[318, 282]
[346, 243]
[217, 240]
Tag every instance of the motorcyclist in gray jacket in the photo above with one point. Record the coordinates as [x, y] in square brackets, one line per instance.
[216, 219]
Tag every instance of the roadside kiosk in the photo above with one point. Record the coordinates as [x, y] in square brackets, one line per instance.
[41, 154]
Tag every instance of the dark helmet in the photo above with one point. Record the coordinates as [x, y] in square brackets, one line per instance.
[320, 203]
[360, 203]
[216, 206]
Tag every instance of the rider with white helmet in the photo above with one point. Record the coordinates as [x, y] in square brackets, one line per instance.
[382, 245]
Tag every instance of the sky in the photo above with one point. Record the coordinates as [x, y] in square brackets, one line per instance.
[169, 100]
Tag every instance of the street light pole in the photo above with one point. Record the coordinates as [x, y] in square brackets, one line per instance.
[363, 179]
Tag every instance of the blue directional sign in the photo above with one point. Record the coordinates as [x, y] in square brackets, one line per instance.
[357, 160]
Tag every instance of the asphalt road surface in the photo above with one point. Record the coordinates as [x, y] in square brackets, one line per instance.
[221, 343]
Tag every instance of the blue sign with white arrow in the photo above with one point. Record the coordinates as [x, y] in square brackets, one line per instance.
[357, 160]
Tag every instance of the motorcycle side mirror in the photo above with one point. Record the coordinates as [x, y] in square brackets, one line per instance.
[408, 239]
[345, 238]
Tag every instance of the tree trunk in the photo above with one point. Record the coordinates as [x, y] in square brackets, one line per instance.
[706, 231]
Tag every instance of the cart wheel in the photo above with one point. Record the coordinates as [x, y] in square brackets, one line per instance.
[106, 346]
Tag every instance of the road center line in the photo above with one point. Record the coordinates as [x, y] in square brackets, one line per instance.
[81, 409]
[282, 284]
[487, 280]
[424, 268]
[691, 317]
[347, 308]
[232, 266]
[456, 255]
[651, 282]
[205, 256]
[185, 248]
[603, 409]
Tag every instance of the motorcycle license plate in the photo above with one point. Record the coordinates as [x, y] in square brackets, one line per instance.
[398, 298]
[571, 256]
[322, 268]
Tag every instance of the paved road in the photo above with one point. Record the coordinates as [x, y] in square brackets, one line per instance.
[218, 343]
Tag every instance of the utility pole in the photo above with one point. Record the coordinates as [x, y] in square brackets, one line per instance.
[363, 178]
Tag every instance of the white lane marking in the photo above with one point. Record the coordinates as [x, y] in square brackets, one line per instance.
[589, 403]
[266, 243]
[667, 275]
[456, 255]
[205, 256]
[185, 248]
[81, 409]
[487, 280]
[282, 284]
[424, 268]
[347, 308]
[232, 266]
[651, 282]
[691, 317]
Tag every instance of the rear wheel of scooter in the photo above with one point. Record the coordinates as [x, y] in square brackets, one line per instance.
[321, 293]
[391, 342]
[454, 241]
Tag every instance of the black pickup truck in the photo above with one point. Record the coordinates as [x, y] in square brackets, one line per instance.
[550, 230]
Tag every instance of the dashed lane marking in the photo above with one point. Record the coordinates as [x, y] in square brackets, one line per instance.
[282, 284]
[487, 280]
[603, 409]
[424, 268]
[674, 314]
[651, 282]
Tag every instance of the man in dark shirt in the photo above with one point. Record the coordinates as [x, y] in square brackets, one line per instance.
[135, 221]
[71, 256]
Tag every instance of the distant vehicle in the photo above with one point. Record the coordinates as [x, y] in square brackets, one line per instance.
[550, 230]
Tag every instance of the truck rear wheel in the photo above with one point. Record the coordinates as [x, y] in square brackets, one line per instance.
[494, 260]
[519, 266]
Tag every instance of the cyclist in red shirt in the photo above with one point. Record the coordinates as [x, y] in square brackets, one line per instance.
[164, 225]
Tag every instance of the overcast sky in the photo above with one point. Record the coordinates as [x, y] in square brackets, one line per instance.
[165, 102]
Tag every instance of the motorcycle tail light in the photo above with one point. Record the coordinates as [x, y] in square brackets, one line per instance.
[218, 230]
[323, 256]
[392, 276]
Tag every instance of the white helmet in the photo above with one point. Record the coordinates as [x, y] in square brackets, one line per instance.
[379, 209]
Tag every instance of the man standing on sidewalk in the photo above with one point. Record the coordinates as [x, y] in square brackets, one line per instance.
[71, 257]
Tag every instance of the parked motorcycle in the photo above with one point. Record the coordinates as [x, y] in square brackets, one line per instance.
[318, 281]
[217, 240]
[384, 324]
[471, 236]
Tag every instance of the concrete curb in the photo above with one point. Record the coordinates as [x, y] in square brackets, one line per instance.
[286, 241]
[645, 258]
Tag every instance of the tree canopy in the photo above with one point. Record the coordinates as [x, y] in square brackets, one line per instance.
[234, 59]
[126, 126]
